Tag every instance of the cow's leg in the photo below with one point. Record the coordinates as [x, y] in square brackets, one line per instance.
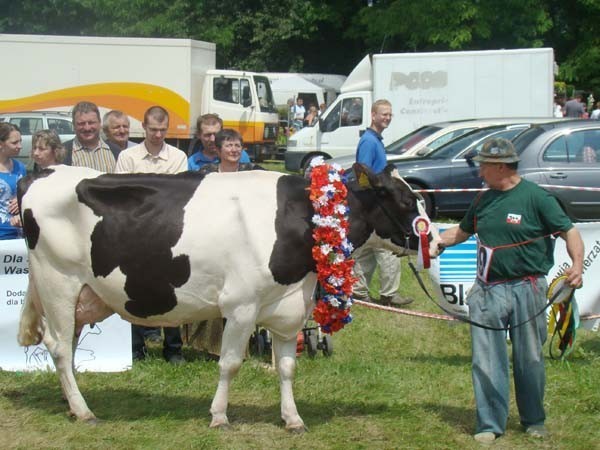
[236, 334]
[285, 361]
[59, 308]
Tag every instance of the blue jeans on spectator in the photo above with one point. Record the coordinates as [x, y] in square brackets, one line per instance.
[500, 305]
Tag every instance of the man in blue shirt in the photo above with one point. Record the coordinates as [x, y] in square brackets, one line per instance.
[371, 153]
[205, 150]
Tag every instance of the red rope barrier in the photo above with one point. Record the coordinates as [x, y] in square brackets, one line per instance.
[404, 311]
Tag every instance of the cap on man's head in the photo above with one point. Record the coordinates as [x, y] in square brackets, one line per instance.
[498, 150]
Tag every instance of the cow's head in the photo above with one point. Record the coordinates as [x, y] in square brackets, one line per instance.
[387, 208]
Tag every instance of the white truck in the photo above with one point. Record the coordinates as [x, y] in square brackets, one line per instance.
[425, 88]
[52, 73]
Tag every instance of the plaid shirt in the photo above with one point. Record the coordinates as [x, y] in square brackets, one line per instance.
[100, 158]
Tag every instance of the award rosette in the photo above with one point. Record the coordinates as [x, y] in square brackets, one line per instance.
[421, 226]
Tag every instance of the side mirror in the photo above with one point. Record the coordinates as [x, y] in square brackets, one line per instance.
[246, 102]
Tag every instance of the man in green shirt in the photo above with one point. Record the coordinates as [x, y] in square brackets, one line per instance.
[515, 222]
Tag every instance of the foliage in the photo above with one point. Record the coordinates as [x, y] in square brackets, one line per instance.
[331, 37]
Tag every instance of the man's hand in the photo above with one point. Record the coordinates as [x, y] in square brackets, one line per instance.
[436, 247]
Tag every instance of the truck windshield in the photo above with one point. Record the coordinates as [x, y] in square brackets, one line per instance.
[265, 96]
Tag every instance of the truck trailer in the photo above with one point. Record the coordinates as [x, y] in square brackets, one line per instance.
[53, 73]
[425, 88]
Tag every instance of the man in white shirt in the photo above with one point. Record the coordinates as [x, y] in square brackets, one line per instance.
[298, 113]
[154, 155]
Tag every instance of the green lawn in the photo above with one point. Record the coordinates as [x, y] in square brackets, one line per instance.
[393, 381]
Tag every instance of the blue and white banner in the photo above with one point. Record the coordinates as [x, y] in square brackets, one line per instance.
[454, 272]
[106, 347]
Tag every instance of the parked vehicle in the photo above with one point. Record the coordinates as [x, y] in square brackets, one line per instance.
[177, 74]
[312, 88]
[451, 167]
[427, 88]
[430, 137]
[32, 121]
[564, 154]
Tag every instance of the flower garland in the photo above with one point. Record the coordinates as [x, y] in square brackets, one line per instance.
[332, 249]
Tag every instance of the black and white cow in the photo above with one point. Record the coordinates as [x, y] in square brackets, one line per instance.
[164, 250]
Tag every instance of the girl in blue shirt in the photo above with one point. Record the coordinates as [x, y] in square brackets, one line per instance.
[11, 170]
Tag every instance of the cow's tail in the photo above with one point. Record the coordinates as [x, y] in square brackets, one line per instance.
[31, 325]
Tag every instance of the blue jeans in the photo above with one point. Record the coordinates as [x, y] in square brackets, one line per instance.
[500, 305]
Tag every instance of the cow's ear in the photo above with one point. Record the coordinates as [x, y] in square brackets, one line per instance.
[365, 178]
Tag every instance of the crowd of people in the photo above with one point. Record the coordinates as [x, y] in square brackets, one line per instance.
[577, 108]
[299, 117]
[514, 222]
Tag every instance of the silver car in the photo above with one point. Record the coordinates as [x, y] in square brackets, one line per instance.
[564, 157]
[30, 122]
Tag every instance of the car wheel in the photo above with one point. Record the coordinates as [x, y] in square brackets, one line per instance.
[429, 204]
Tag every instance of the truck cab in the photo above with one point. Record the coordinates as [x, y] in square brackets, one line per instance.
[245, 102]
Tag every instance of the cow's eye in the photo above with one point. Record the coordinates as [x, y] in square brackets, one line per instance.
[381, 192]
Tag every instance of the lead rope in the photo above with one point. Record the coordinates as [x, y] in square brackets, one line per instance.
[465, 320]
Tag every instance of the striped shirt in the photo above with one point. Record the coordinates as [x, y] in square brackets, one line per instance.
[100, 158]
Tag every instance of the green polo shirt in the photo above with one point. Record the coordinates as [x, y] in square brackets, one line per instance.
[519, 215]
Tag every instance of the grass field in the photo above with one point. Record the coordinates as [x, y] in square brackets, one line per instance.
[393, 381]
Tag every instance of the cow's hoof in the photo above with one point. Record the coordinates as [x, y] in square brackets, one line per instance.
[92, 421]
[297, 429]
[220, 423]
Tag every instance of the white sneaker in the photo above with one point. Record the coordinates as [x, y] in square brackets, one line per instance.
[485, 437]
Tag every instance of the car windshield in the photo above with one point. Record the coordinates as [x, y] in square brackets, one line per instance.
[452, 148]
[404, 143]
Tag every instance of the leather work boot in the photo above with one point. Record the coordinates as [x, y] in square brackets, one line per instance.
[395, 300]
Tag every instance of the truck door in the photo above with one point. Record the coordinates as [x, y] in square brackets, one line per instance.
[232, 101]
[340, 128]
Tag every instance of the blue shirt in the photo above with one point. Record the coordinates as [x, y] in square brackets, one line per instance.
[8, 190]
[371, 151]
[198, 159]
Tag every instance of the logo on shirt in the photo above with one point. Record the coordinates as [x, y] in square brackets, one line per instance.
[514, 219]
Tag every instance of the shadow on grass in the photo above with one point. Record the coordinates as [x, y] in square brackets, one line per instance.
[460, 418]
[112, 404]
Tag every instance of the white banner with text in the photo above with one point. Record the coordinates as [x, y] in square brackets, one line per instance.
[105, 347]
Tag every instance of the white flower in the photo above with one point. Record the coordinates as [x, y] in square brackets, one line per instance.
[339, 258]
[340, 209]
[328, 188]
[317, 161]
[334, 176]
[326, 249]
[334, 302]
[347, 245]
[335, 281]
